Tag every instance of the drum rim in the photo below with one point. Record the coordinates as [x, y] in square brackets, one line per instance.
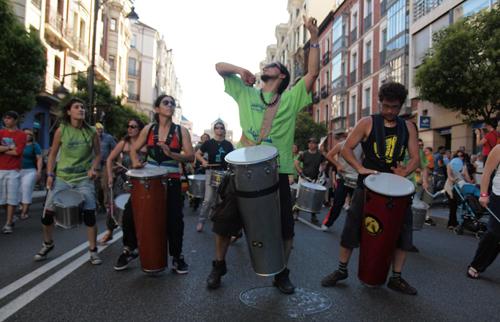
[234, 162]
[400, 194]
[156, 175]
[201, 177]
[59, 204]
[303, 184]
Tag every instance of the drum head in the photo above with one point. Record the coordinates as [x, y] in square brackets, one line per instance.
[389, 184]
[313, 186]
[122, 200]
[148, 172]
[251, 155]
[294, 186]
[68, 198]
[200, 177]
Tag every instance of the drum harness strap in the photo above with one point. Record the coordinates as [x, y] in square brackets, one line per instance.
[378, 125]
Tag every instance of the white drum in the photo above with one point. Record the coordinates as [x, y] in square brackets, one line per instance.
[68, 204]
[389, 184]
[311, 197]
[119, 209]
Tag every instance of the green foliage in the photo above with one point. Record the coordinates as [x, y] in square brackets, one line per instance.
[115, 115]
[305, 128]
[22, 61]
[462, 71]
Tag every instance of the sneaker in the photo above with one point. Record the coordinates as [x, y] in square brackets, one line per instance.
[413, 249]
[219, 269]
[42, 254]
[125, 258]
[398, 284]
[430, 222]
[333, 278]
[179, 265]
[283, 283]
[8, 229]
[324, 227]
[94, 258]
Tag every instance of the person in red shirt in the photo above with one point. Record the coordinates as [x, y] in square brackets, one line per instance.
[12, 142]
[488, 140]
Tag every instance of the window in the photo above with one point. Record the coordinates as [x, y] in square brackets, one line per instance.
[132, 66]
[326, 113]
[317, 115]
[368, 97]
[111, 62]
[471, 7]
[352, 107]
[368, 51]
[112, 24]
[368, 8]
[119, 65]
[354, 61]
[354, 23]
[383, 40]
[421, 44]
[133, 41]
[397, 25]
[57, 67]
[131, 87]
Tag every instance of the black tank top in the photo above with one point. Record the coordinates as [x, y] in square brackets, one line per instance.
[372, 157]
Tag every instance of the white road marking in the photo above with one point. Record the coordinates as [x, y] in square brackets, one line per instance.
[24, 299]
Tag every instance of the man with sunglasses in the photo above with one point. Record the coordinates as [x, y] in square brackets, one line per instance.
[216, 149]
[253, 104]
[12, 143]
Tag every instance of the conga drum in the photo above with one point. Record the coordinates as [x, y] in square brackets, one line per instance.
[149, 204]
[387, 199]
[257, 188]
[310, 197]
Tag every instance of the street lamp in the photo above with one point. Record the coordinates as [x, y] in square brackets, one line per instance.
[61, 92]
[132, 16]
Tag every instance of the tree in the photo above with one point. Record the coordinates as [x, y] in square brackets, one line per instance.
[22, 61]
[462, 70]
[305, 128]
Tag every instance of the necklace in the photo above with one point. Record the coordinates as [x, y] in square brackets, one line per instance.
[272, 103]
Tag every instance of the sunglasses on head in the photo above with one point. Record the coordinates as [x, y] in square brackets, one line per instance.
[168, 103]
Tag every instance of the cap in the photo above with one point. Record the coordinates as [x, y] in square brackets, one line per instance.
[12, 114]
[313, 140]
[99, 126]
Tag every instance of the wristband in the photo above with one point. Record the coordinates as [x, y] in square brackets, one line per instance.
[485, 194]
[51, 175]
[316, 45]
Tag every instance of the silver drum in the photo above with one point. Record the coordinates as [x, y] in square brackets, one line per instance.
[350, 181]
[197, 185]
[294, 189]
[68, 206]
[119, 208]
[311, 197]
[419, 211]
[257, 184]
[216, 178]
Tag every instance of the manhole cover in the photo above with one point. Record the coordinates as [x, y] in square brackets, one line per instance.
[269, 299]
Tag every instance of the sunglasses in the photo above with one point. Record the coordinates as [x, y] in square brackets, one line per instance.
[276, 65]
[218, 128]
[168, 103]
[132, 126]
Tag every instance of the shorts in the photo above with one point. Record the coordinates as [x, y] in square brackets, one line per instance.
[85, 187]
[232, 227]
[28, 178]
[351, 233]
[9, 187]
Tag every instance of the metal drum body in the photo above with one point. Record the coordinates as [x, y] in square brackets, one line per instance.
[216, 177]
[387, 198]
[419, 211]
[119, 207]
[350, 181]
[256, 170]
[294, 189]
[149, 204]
[68, 206]
[197, 185]
[311, 197]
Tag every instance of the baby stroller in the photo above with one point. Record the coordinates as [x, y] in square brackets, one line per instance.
[474, 216]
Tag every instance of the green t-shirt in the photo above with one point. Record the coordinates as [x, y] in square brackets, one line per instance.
[423, 164]
[75, 153]
[252, 109]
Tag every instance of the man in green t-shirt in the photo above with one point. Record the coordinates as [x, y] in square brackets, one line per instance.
[252, 104]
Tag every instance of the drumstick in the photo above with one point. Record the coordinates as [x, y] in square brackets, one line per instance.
[213, 165]
[121, 165]
[491, 213]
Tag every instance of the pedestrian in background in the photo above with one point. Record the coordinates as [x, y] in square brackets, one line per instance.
[108, 143]
[31, 171]
[488, 137]
[12, 142]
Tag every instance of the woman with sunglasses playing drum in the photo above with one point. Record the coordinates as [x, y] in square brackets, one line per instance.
[168, 145]
[121, 151]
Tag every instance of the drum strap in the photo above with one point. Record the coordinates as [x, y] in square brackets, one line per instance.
[265, 128]
[258, 193]
[379, 130]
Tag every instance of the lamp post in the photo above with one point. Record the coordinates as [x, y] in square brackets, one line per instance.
[61, 92]
[132, 16]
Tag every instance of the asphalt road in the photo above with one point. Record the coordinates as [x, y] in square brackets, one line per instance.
[74, 290]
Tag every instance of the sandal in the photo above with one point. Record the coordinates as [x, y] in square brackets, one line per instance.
[472, 273]
[24, 216]
[106, 238]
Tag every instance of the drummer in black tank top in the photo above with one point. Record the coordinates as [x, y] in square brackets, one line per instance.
[384, 138]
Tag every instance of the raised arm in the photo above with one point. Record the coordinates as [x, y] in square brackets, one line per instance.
[111, 158]
[226, 69]
[313, 62]
[138, 144]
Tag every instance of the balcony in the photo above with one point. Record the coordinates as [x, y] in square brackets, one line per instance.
[340, 45]
[325, 91]
[383, 57]
[326, 58]
[56, 33]
[133, 97]
[352, 119]
[352, 77]
[354, 35]
[367, 22]
[367, 68]
[339, 85]
[81, 47]
[339, 124]
[102, 68]
[37, 3]
[315, 98]
[366, 111]
[383, 8]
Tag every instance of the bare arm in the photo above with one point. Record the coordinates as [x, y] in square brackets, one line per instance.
[359, 133]
[226, 69]
[490, 166]
[56, 144]
[137, 146]
[199, 157]
[97, 159]
[331, 156]
[313, 61]
[467, 177]
[296, 163]
[414, 160]
[187, 154]
[111, 158]
[4, 148]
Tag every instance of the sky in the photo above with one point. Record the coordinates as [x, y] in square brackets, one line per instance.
[202, 33]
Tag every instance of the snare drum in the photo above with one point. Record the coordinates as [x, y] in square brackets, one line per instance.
[311, 197]
[257, 186]
[68, 206]
[387, 199]
[216, 178]
[119, 207]
[294, 189]
[149, 205]
[197, 185]
[350, 181]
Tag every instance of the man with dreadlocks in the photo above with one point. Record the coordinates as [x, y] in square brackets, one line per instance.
[253, 104]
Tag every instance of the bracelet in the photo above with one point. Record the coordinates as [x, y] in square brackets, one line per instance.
[484, 194]
[316, 45]
[51, 175]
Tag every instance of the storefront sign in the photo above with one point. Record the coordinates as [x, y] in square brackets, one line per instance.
[424, 122]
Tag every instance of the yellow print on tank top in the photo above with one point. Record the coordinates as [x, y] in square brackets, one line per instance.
[390, 146]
